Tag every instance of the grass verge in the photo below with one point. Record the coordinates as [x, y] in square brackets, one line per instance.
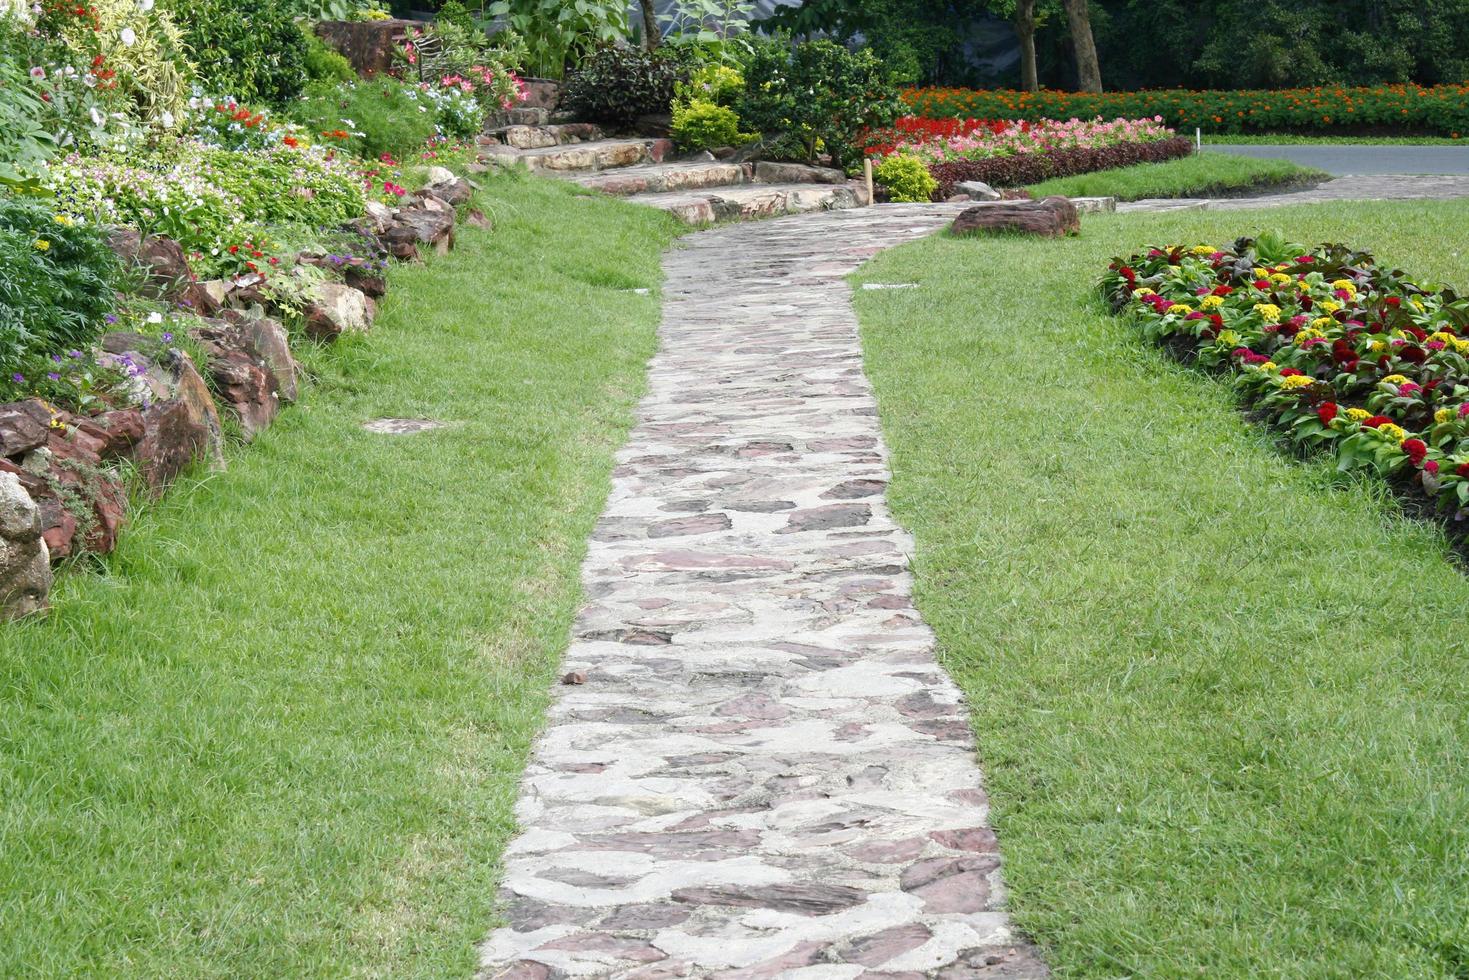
[1200, 175]
[279, 732]
[1219, 695]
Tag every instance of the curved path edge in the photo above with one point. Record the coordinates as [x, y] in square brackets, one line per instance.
[765, 772]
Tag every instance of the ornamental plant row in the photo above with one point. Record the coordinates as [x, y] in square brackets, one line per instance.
[1437, 109]
[1031, 168]
[1337, 353]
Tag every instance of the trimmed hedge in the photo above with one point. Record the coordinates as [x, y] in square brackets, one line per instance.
[1438, 109]
[1031, 168]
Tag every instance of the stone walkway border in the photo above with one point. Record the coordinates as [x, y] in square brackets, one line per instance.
[765, 772]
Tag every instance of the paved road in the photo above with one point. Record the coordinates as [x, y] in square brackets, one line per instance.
[1348, 159]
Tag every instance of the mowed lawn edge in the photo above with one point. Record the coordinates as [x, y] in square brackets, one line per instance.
[1218, 692]
[280, 731]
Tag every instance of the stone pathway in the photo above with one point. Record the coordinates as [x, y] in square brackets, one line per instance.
[764, 773]
[1377, 187]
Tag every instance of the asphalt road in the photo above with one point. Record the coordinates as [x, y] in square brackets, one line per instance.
[1367, 159]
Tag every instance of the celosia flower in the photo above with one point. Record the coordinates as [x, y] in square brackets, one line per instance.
[1415, 449]
[1269, 311]
[1358, 414]
[1326, 411]
[1295, 381]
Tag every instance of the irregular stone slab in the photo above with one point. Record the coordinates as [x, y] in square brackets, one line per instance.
[768, 172]
[1051, 217]
[765, 773]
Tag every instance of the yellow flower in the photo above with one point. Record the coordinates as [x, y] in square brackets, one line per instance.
[1211, 302]
[1394, 379]
[1260, 273]
[64, 220]
[1444, 415]
[1441, 337]
[41, 244]
[1144, 291]
[1377, 347]
[1307, 335]
[1269, 311]
[1346, 284]
[1228, 338]
[1461, 345]
[1180, 308]
[1394, 432]
[1358, 414]
[1322, 321]
[1329, 305]
[1202, 250]
[1280, 279]
[1417, 304]
[1268, 366]
[1295, 381]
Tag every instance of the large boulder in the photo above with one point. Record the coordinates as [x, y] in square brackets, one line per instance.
[180, 422]
[769, 172]
[243, 381]
[165, 269]
[370, 45]
[413, 227]
[25, 562]
[267, 339]
[337, 308]
[23, 427]
[1051, 217]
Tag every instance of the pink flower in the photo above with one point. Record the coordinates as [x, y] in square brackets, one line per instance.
[38, 73]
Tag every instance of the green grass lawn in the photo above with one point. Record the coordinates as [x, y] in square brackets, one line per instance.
[280, 731]
[1222, 700]
[1201, 175]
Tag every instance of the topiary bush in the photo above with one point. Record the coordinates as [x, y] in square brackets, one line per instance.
[253, 50]
[817, 97]
[56, 289]
[906, 178]
[615, 85]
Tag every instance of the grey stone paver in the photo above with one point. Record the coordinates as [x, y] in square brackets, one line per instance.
[765, 773]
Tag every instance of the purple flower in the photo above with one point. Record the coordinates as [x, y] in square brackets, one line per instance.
[18, 378]
[56, 358]
[53, 375]
[110, 318]
[167, 336]
[74, 354]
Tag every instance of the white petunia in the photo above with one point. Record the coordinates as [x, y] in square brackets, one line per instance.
[167, 119]
[155, 317]
[128, 37]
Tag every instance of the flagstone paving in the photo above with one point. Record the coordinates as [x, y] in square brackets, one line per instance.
[759, 770]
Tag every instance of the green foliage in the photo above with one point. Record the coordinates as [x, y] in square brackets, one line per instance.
[381, 115]
[715, 83]
[27, 143]
[144, 49]
[817, 96]
[709, 30]
[558, 31]
[906, 178]
[55, 290]
[702, 125]
[616, 85]
[252, 50]
[325, 63]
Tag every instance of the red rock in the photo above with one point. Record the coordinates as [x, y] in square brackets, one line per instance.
[575, 677]
[805, 898]
[370, 46]
[118, 431]
[23, 426]
[172, 440]
[242, 379]
[1052, 217]
[337, 308]
[878, 948]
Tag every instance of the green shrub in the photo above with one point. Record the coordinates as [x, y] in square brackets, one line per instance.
[616, 85]
[55, 291]
[325, 63]
[252, 50]
[715, 83]
[907, 179]
[817, 96]
[557, 31]
[380, 116]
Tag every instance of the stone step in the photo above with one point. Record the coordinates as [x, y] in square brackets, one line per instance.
[657, 178]
[576, 158]
[539, 137]
[746, 201]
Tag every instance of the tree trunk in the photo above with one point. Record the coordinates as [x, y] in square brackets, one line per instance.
[651, 34]
[1088, 72]
[1025, 31]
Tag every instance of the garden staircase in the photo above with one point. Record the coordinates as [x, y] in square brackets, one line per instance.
[697, 192]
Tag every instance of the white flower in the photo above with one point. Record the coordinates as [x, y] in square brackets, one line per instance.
[128, 37]
[155, 317]
[98, 119]
[167, 117]
[89, 80]
[145, 5]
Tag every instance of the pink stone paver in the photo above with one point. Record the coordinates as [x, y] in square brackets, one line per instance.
[766, 773]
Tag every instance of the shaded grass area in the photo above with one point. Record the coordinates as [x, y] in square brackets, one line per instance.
[279, 732]
[1200, 175]
[1219, 694]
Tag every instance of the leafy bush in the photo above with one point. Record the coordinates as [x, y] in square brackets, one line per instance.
[325, 63]
[453, 51]
[616, 85]
[557, 31]
[818, 96]
[1337, 353]
[207, 198]
[139, 48]
[56, 289]
[702, 125]
[906, 178]
[1441, 109]
[251, 49]
[1031, 168]
[387, 116]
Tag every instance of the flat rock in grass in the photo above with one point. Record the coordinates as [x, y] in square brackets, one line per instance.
[337, 308]
[977, 190]
[1093, 205]
[25, 562]
[1051, 217]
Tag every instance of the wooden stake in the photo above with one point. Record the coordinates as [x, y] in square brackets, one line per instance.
[867, 176]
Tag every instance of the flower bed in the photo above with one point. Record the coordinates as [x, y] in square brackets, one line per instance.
[1336, 353]
[1438, 109]
[1014, 153]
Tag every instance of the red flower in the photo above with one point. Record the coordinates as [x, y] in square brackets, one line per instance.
[1375, 421]
[1415, 449]
[1431, 467]
[1393, 301]
[1326, 411]
[1289, 372]
[1462, 469]
[1413, 354]
[1262, 283]
[1223, 290]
